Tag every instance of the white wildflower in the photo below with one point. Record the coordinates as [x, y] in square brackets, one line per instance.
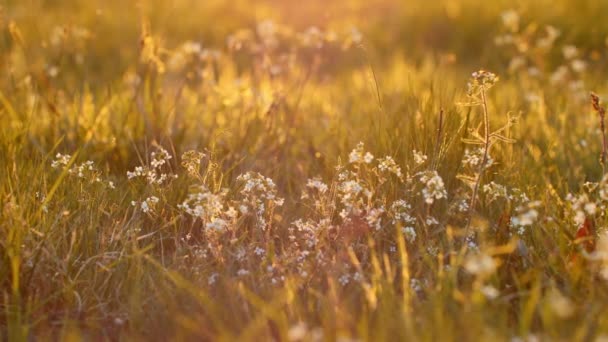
[510, 20]
[356, 155]
[419, 157]
[561, 305]
[415, 285]
[570, 51]
[316, 183]
[344, 279]
[410, 233]
[578, 65]
[431, 221]
[490, 292]
[216, 224]
[60, 160]
[148, 204]
[480, 264]
[259, 251]
[433, 187]
[387, 164]
[495, 191]
[242, 272]
[212, 278]
[400, 212]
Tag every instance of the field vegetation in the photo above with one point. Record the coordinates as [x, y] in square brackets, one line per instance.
[303, 170]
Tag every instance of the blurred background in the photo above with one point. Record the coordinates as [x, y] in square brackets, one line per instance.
[110, 74]
[462, 30]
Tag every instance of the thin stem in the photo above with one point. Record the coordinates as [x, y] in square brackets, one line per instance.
[601, 111]
[438, 140]
[484, 160]
[603, 128]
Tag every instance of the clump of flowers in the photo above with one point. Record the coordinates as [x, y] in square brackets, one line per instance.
[154, 173]
[480, 264]
[359, 156]
[86, 171]
[319, 193]
[61, 160]
[277, 50]
[388, 165]
[526, 47]
[419, 157]
[473, 158]
[361, 201]
[190, 58]
[529, 47]
[317, 183]
[480, 81]
[590, 202]
[147, 205]
[495, 191]
[525, 215]
[191, 161]
[308, 231]
[353, 195]
[400, 212]
[410, 233]
[258, 197]
[434, 188]
[209, 208]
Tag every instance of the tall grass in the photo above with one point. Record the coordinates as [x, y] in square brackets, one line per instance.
[310, 171]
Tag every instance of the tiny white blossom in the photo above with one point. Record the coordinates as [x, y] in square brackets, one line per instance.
[242, 272]
[480, 264]
[419, 157]
[433, 187]
[212, 278]
[410, 233]
[259, 251]
[490, 292]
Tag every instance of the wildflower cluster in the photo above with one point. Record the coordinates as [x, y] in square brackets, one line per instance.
[66, 46]
[590, 202]
[191, 56]
[400, 212]
[258, 197]
[279, 50]
[358, 197]
[154, 173]
[526, 215]
[359, 156]
[529, 48]
[209, 208]
[146, 205]
[473, 159]
[387, 165]
[191, 161]
[569, 73]
[481, 80]
[86, 171]
[419, 157]
[434, 188]
[494, 191]
[269, 35]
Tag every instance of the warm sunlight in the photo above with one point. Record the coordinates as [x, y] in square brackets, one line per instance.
[319, 170]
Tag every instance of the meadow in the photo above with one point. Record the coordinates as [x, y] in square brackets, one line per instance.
[303, 170]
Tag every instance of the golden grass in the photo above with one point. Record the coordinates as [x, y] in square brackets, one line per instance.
[282, 170]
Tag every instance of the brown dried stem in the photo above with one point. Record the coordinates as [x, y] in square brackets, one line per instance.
[595, 101]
